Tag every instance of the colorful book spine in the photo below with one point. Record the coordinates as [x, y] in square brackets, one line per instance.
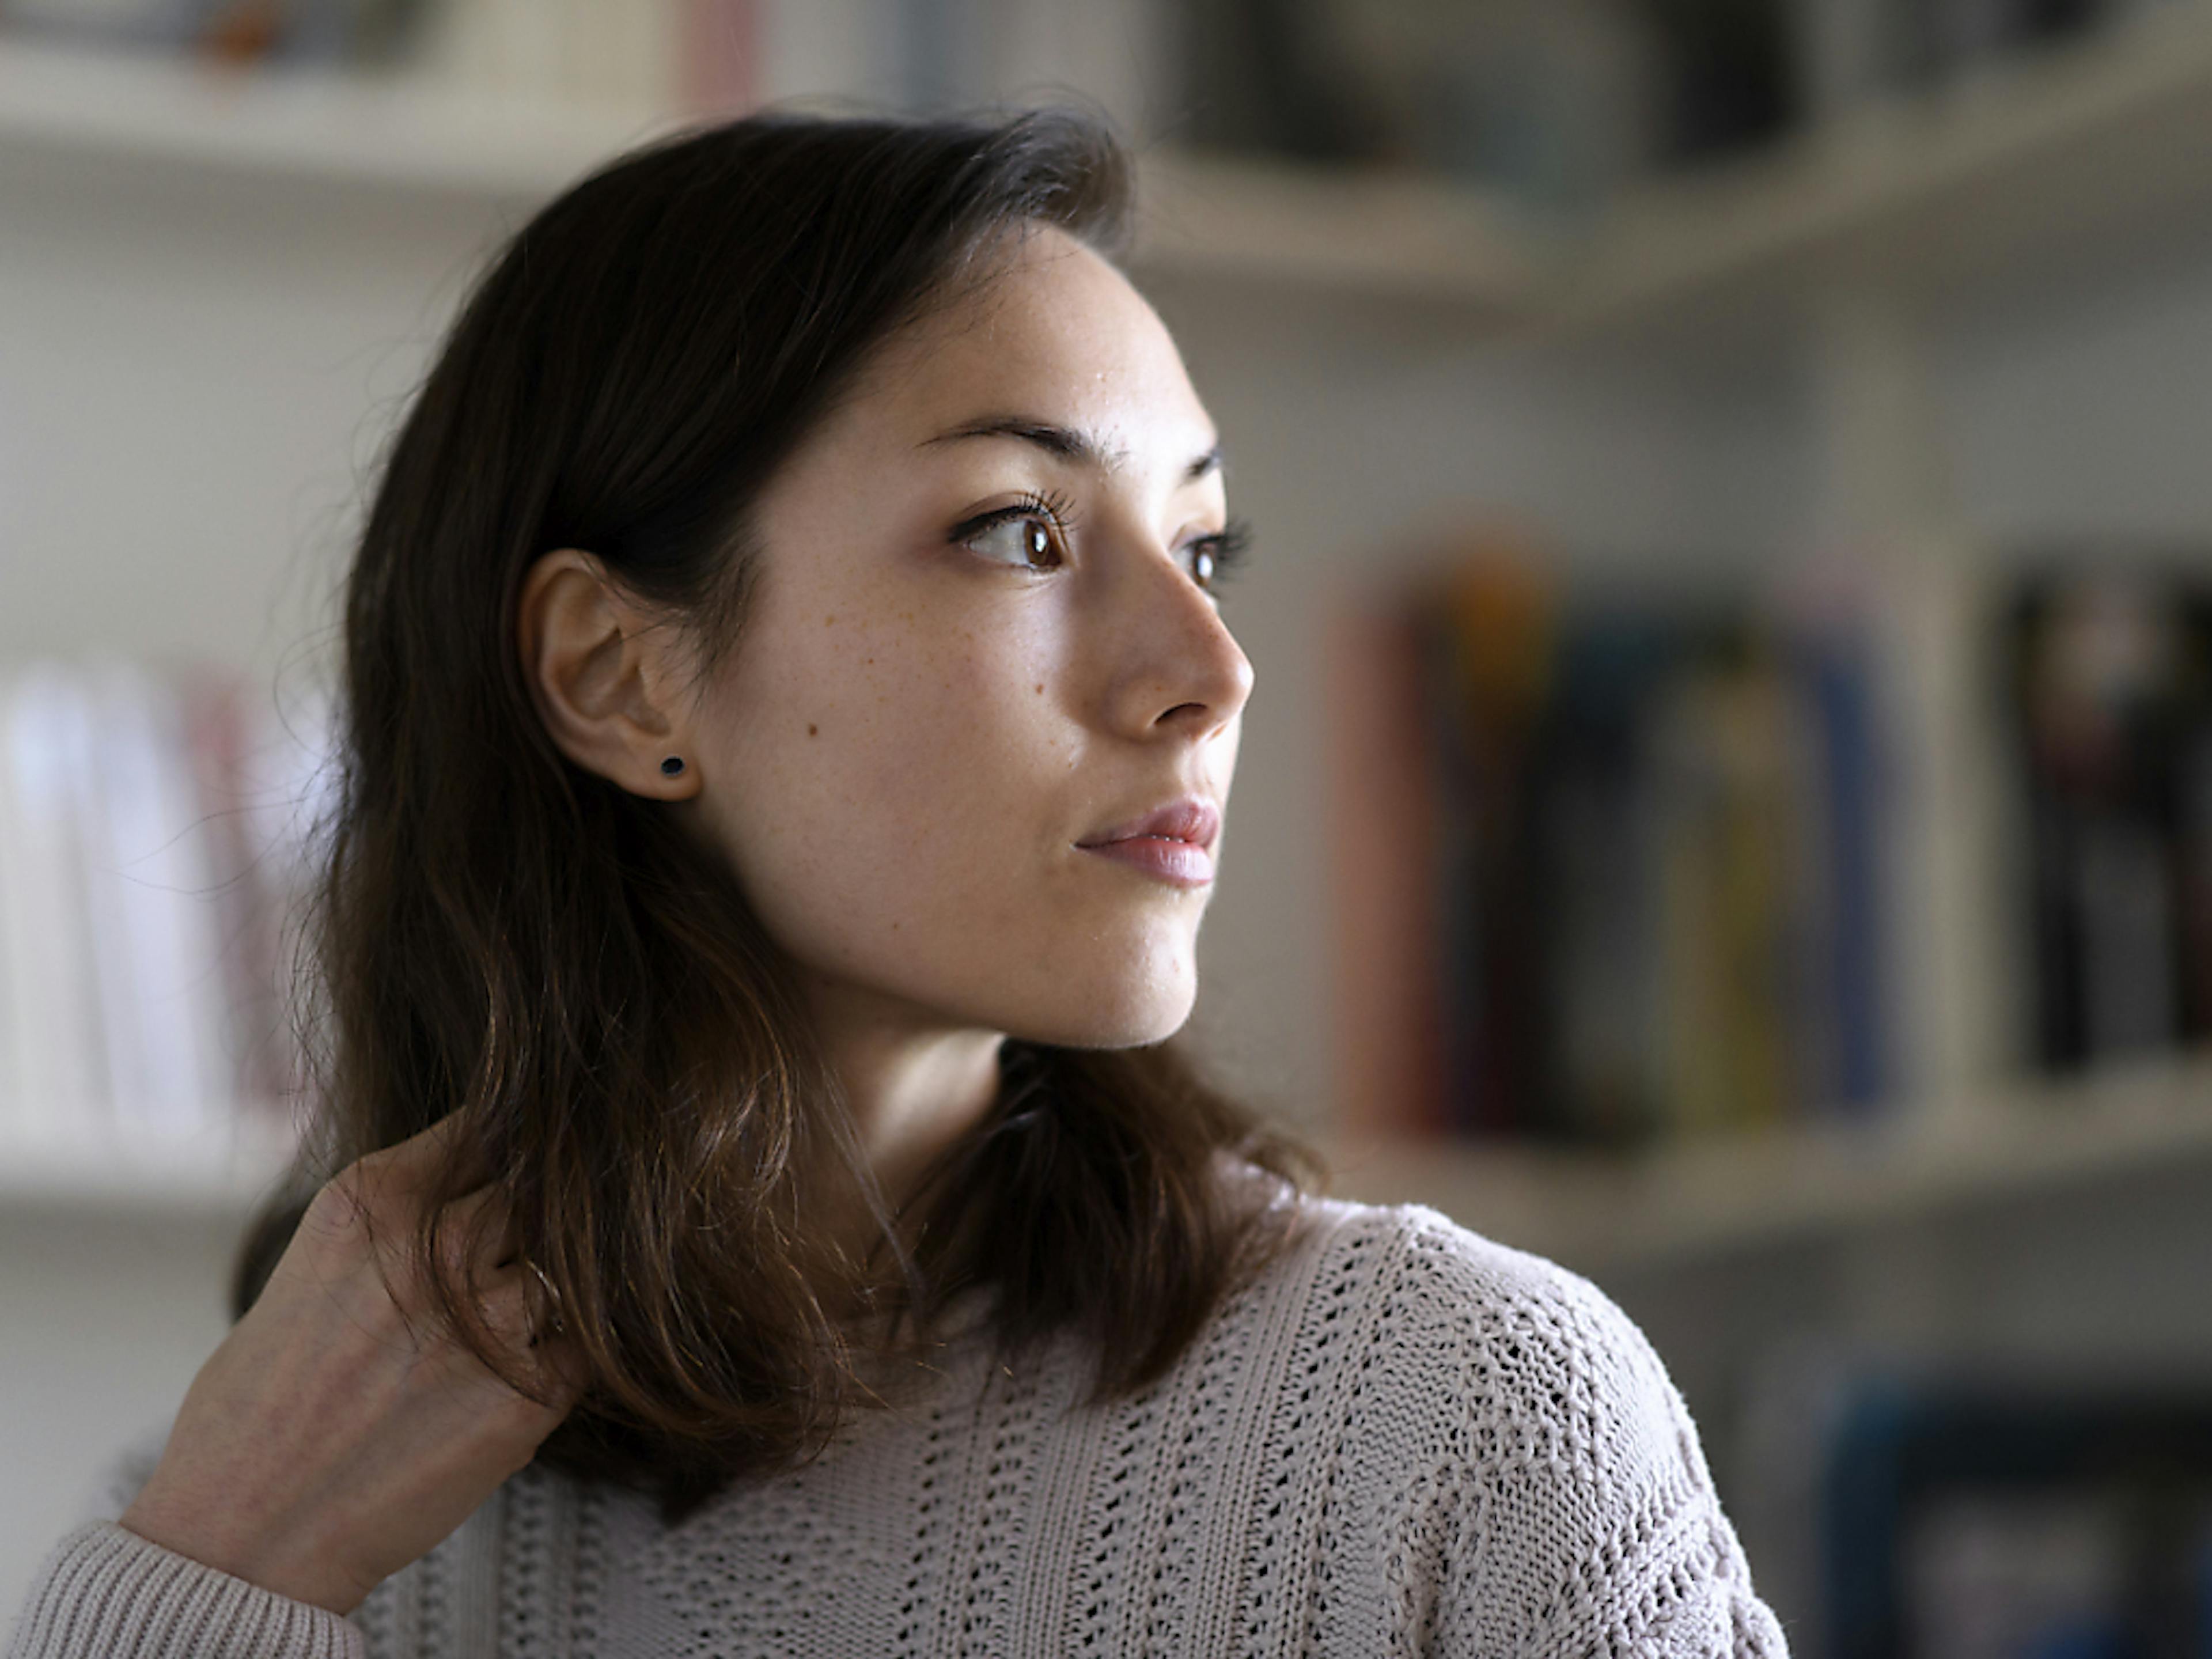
[1641, 902]
[152, 826]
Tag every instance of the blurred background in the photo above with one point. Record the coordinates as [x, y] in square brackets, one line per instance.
[1728, 803]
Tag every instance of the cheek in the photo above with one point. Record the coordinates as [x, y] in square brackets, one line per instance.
[937, 729]
[912, 776]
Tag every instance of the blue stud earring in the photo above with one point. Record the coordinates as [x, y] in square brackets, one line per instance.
[672, 766]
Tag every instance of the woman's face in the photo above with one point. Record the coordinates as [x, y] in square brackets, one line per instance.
[929, 713]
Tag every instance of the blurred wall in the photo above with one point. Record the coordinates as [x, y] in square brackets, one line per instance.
[104, 1318]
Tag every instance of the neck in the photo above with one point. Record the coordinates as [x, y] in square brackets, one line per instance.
[914, 1088]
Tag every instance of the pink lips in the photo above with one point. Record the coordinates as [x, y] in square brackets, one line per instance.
[1174, 842]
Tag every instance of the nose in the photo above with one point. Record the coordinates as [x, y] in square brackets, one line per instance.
[1179, 666]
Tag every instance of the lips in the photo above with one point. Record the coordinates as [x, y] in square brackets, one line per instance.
[1189, 819]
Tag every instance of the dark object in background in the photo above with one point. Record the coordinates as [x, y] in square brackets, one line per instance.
[2107, 695]
[1559, 104]
[1547, 101]
[266, 1241]
[1264, 77]
[1730, 76]
[1934, 41]
[1970, 1519]
[1554, 102]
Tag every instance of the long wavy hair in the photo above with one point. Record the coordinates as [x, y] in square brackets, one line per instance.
[493, 932]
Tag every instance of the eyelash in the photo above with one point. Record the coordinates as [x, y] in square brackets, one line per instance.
[1228, 547]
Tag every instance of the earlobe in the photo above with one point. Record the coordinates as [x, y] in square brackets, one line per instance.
[594, 668]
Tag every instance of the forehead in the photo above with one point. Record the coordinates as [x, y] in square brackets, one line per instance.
[1056, 332]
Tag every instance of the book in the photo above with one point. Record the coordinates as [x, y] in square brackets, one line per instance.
[58, 1079]
[155, 821]
[1387, 993]
[1634, 893]
[2107, 686]
[150, 906]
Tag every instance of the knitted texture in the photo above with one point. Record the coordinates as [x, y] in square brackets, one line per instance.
[107, 1592]
[1405, 1439]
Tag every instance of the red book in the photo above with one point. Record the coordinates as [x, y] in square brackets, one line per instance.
[1381, 862]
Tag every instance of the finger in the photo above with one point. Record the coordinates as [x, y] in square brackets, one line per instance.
[562, 1369]
[539, 1382]
[407, 1166]
[475, 1234]
[554, 1375]
[382, 1193]
[518, 1312]
[534, 1350]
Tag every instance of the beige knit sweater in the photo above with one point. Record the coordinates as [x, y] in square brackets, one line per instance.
[1406, 1440]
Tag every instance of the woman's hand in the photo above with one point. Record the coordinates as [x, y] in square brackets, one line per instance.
[337, 1434]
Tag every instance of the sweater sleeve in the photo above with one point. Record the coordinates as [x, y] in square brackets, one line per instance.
[1588, 1526]
[106, 1593]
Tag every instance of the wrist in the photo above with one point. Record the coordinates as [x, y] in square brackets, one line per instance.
[294, 1579]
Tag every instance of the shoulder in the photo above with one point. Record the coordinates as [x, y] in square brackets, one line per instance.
[1531, 1472]
[1434, 1280]
[1532, 1327]
[1467, 1330]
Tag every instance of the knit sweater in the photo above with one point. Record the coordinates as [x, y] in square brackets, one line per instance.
[1403, 1439]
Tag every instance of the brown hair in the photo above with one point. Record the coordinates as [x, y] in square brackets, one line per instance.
[495, 931]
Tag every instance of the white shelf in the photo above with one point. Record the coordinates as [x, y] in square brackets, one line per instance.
[62, 102]
[64, 105]
[2085, 151]
[1710, 1196]
[219, 1177]
[1380, 235]
[1729, 1194]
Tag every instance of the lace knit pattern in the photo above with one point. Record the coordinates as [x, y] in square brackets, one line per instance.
[1406, 1440]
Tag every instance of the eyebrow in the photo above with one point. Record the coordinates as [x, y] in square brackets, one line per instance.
[1068, 443]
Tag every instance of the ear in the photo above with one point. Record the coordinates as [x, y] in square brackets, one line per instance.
[602, 671]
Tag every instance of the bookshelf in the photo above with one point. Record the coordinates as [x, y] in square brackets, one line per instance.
[2086, 152]
[1695, 1198]
[61, 104]
[2079, 153]
[1706, 1198]
[2060, 156]
[2082, 153]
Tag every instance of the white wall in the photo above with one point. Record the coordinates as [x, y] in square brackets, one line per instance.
[193, 371]
[103, 1320]
[2081, 409]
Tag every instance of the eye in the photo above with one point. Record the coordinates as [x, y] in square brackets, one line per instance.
[1215, 558]
[1032, 530]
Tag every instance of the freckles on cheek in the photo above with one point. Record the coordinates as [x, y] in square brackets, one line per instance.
[876, 710]
[963, 728]
[925, 720]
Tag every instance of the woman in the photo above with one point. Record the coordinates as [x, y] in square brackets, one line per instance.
[788, 711]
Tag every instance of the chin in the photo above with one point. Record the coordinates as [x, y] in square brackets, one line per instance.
[1137, 1016]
